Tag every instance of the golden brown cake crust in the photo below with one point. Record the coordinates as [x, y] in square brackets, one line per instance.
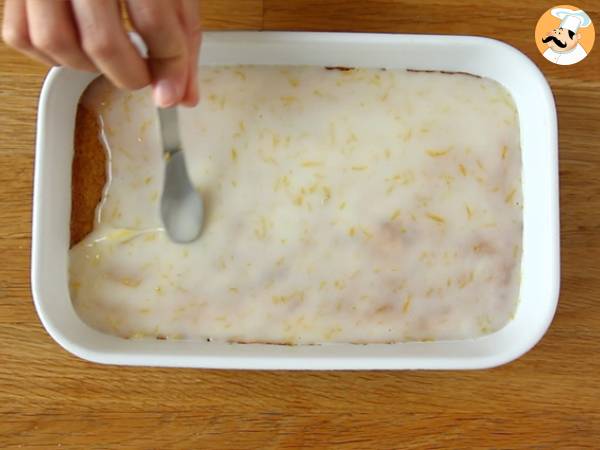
[88, 174]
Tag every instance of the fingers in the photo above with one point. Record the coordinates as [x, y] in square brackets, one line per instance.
[53, 32]
[104, 40]
[15, 31]
[168, 53]
[89, 35]
[189, 16]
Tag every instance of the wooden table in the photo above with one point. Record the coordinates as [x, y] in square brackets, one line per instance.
[550, 398]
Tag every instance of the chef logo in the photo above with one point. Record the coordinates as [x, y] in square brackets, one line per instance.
[564, 35]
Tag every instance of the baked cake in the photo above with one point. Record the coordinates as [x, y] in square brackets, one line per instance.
[360, 206]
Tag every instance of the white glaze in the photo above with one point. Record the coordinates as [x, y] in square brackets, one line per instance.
[361, 206]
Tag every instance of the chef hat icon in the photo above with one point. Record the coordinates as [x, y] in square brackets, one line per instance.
[570, 19]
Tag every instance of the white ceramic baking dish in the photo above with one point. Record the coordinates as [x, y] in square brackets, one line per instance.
[480, 56]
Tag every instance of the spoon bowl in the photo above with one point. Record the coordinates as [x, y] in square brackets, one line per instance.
[181, 206]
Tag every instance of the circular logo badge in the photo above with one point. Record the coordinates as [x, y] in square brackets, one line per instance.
[565, 35]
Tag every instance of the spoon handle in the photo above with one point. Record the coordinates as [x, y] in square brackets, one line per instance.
[169, 128]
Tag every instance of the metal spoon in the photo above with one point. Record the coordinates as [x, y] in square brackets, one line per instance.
[181, 206]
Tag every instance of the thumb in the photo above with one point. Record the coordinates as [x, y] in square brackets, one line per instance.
[168, 54]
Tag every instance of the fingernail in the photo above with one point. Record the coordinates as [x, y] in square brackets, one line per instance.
[165, 93]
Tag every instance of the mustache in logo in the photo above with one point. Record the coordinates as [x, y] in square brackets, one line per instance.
[555, 40]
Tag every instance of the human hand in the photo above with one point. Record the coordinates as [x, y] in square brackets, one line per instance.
[90, 35]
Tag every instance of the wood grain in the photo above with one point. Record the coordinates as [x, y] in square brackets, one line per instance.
[548, 399]
[232, 14]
